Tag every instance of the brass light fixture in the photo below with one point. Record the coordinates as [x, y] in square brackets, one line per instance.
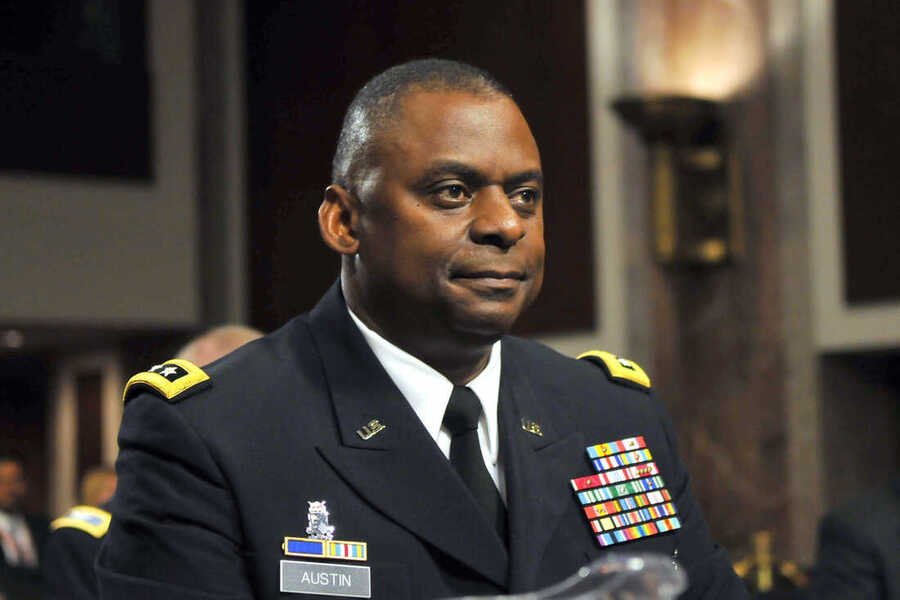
[690, 59]
[696, 192]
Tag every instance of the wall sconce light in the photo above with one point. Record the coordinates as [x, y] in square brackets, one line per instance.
[690, 58]
[696, 193]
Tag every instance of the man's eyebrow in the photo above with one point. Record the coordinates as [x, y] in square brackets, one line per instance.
[473, 176]
[524, 177]
[453, 168]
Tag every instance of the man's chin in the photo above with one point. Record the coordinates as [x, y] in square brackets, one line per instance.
[485, 327]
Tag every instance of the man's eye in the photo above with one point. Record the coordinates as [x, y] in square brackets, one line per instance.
[526, 197]
[452, 193]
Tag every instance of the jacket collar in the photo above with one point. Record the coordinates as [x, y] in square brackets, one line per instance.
[538, 447]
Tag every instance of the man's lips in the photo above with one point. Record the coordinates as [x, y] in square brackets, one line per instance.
[490, 283]
[499, 275]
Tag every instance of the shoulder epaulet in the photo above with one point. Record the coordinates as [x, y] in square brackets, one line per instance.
[174, 380]
[89, 519]
[620, 370]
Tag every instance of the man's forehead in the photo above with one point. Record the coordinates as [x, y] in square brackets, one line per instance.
[419, 103]
[428, 122]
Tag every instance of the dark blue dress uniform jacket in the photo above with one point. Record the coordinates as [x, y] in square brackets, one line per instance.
[859, 548]
[68, 566]
[209, 486]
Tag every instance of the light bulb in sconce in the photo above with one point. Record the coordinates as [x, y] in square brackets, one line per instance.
[710, 49]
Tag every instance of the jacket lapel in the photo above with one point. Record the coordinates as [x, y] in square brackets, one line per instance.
[537, 471]
[399, 470]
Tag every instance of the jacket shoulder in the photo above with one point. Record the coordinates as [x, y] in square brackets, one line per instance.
[593, 366]
[617, 369]
[174, 380]
[89, 519]
[254, 364]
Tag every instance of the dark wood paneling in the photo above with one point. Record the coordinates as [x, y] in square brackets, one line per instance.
[868, 51]
[23, 417]
[304, 68]
[88, 391]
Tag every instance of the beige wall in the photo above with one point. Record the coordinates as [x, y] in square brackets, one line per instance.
[102, 252]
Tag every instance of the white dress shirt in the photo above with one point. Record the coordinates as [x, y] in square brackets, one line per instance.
[15, 540]
[428, 393]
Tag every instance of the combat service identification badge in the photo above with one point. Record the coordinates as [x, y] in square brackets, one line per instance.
[320, 543]
[327, 579]
[626, 499]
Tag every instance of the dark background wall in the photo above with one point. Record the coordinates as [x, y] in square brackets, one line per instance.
[304, 67]
[23, 420]
[861, 390]
[868, 44]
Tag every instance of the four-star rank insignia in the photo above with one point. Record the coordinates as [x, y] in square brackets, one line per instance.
[626, 499]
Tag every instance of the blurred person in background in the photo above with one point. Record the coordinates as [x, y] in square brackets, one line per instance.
[98, 486]
[22, 535]
[216, 343]
[859, 548]
[76, 536]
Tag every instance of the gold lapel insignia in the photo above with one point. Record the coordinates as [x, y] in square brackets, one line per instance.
[370, 429]
[532, 427]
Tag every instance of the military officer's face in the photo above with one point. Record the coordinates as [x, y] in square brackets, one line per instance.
[451, 229]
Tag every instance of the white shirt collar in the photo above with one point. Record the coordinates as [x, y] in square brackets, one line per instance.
[6, 520]
[428, 392]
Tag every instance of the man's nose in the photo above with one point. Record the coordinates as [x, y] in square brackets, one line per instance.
[496, 222]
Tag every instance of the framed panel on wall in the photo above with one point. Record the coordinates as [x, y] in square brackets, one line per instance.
[852, 104]
[76, 97]
[94, 234]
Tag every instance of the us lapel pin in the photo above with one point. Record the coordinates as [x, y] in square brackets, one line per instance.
[370, 429]
[532, 427]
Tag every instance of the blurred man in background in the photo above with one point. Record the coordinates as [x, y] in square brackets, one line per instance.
[98, 486]
[22, 535]
[216, 343]
[859, 548]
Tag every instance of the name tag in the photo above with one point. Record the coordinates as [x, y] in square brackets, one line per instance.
[299, 577]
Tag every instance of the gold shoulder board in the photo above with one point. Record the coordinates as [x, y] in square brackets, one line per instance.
[620, 370]
[89, 519]
[174, 380]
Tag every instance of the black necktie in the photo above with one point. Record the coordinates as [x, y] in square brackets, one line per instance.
[461, 420]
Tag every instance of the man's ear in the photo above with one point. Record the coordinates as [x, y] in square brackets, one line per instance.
[338, 217]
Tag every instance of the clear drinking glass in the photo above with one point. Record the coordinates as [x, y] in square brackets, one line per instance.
[618, 576]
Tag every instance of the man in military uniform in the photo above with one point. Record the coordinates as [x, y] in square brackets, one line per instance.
[395, 442]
